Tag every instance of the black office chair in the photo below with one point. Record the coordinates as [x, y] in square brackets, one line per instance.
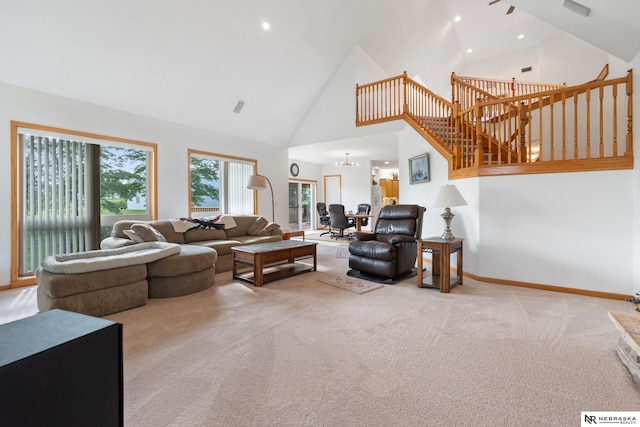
[323, 216]
[339, 221]
[364, 209]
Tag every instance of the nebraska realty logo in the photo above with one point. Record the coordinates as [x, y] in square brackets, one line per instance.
[627, 418]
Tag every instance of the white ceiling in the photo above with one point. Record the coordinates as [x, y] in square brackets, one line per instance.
[190, 62]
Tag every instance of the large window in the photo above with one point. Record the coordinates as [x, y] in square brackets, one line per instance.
[218, 184]
[69, 189]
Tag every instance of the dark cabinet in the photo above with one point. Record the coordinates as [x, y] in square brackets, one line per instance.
[61, 368]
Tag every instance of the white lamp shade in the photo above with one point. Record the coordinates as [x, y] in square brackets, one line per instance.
[449, 196]
[257, 182]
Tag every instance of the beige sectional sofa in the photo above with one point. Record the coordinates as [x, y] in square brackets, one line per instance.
[140, 260]
[236, 231]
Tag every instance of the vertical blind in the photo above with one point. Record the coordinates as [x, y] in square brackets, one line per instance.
[239, 197]
[56, 198]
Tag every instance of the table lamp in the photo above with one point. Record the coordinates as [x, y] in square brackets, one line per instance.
[448, 196]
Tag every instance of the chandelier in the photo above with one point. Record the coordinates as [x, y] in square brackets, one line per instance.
[347, 162]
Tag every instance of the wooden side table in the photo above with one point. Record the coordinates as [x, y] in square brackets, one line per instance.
[441, 249]
[288, 234]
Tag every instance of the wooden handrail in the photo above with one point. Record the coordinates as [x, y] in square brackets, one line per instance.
[581, 126]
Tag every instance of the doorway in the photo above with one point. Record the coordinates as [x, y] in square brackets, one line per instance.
[302, 197]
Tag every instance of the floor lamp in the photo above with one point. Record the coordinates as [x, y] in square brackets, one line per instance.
[259, 182]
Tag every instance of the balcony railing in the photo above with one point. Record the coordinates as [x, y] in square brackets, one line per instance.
[519, 128]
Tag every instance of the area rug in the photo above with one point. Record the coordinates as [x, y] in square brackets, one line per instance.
[342, 252]
[352, 284]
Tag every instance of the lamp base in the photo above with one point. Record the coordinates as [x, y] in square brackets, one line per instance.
[447, 215]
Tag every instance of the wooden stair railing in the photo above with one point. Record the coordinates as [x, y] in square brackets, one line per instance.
[584, 127]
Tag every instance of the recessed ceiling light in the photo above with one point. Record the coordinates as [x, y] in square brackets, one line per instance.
[469, 50]
[520, 36]
[386, 163]
[457, 18]
[266, 26]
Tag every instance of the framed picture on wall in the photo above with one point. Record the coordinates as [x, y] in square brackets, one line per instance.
[419, 169]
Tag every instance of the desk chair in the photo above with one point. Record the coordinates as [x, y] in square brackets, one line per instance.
[364, 209]
[323, 216]
[339, 220]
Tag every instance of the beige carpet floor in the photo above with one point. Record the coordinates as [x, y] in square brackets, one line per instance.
[299, 352]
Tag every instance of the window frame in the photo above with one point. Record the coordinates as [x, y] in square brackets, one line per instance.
[16, 280]
[222, 157]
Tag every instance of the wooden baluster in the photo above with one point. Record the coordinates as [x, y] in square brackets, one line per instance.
[601, 124]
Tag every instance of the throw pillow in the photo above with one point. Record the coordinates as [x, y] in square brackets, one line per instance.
[268, 230]
[148, 233]
[258, 225]
[132, 235]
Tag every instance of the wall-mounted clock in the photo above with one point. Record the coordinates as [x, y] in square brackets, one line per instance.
[294, 169]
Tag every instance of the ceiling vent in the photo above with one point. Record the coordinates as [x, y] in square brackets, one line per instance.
[239, 106]
[576, 7]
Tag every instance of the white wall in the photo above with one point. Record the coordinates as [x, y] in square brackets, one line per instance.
[568, 229]
[173, 141]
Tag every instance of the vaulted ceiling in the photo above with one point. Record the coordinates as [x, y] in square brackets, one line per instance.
[190, 62]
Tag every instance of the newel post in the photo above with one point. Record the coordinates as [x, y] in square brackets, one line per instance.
[453, 87]
[522, 139]
[479, 154]
[405, 81]
[357, 104]
[629, 113]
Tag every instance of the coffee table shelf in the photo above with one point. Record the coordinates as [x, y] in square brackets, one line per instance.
[258, 264]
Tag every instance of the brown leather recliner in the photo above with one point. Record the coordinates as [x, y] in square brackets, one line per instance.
[390, 251]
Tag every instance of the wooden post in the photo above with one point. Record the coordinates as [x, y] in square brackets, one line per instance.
[479, 153]
[357, 106]
[522, 138]
[629, 151]
[405, 108]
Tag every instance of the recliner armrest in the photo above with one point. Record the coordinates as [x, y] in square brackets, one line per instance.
[362, 236]
[401, 238]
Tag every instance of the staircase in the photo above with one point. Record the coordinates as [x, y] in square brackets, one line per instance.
[493, 127]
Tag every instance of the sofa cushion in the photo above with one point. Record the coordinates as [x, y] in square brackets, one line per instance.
[148, 233]
[135, 237]
[61, 285]
[107, 259]
[242, 225]
[199, 234]
[222, 247]
[163, 226]
[258, 225]
[191, 259]
[271, 229]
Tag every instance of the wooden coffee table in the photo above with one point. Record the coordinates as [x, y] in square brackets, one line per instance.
[265, 262]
